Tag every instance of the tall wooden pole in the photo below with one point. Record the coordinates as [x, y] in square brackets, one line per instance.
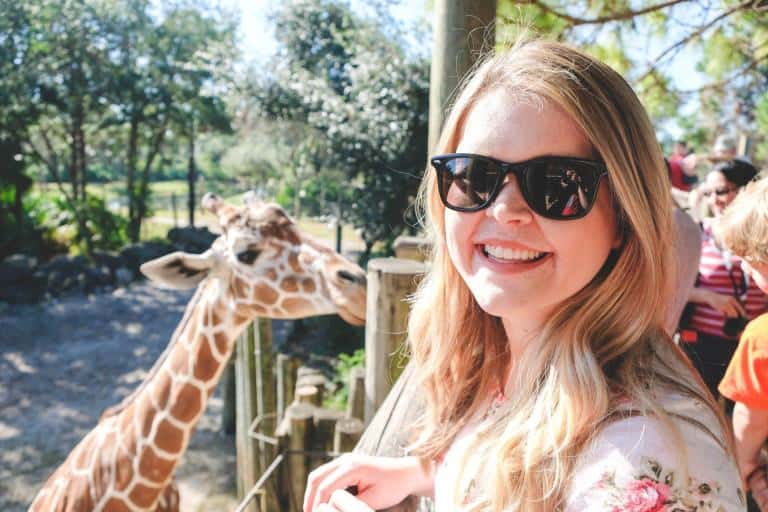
[463, 30]
[390, 282]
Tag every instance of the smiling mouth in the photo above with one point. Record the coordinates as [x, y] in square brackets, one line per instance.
[507, 255]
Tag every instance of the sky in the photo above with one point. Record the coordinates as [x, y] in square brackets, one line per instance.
[257, 37]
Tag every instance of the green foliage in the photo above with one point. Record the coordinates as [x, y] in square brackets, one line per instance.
[363, 103]
[104, 229]
[726, 40]
[342, 369]
[761, 116]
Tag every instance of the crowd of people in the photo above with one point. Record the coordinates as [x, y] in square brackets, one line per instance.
[540, 336]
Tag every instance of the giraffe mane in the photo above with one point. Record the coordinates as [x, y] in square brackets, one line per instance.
[117, 409]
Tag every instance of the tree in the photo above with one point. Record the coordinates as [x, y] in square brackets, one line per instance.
[364, 101]
[640, 40]
[17, 55]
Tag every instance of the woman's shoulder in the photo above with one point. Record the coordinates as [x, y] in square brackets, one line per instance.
[637, 463]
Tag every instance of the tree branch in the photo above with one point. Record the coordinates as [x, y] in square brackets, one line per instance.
[697, 33]
[727, 80]
[623, 15]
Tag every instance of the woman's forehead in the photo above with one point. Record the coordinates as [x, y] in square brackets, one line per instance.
[716, 178]
[503, 126]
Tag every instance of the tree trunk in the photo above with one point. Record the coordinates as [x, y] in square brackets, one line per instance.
[460, 28]
[142, 197]
[191, 176]
[133, 145]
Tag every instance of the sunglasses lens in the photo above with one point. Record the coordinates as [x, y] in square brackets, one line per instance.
[466, 182]
[560, 189]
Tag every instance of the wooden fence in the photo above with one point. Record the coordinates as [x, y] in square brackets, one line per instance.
[282, 430]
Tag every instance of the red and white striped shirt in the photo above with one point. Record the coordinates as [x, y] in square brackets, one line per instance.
[714, 275]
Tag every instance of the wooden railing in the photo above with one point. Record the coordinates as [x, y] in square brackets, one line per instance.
[283, 432]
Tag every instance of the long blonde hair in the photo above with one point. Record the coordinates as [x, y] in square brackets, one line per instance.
[606, 341]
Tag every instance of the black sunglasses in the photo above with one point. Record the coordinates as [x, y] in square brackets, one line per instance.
[555, 187]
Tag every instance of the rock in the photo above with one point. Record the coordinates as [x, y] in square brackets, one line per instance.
[97, 278]
[191, 239]
[65, 273]
[17, 268]
[123, 277]
[110, 260]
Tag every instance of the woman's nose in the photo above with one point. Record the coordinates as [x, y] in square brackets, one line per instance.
[509, 206]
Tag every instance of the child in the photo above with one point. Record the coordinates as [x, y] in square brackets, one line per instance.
[537, 335]
[744, 230]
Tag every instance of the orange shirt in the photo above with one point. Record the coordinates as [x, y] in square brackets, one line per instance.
[746, 379]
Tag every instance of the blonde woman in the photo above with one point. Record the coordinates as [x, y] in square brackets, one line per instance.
[537, 335]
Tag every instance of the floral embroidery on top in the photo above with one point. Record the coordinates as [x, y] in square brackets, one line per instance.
[655, 490]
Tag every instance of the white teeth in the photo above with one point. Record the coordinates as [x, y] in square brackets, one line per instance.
[505, 253]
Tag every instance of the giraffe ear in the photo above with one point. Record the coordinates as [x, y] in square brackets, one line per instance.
[179, 270]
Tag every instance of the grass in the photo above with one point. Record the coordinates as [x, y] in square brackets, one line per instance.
[162, 218]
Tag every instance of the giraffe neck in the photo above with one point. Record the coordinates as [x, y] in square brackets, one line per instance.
[154, 430]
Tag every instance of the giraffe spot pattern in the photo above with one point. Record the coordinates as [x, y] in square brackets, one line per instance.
[221, 340]
[143, 496]
[116, 505]
[297, 305]
[146, 412]
[169, 438]
[308, 285]
[205, 365]
[265, 294]
[289, 284]
[187, 403]
[153, 467]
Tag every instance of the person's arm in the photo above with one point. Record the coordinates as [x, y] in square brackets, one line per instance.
[750, 427]
[728, 305]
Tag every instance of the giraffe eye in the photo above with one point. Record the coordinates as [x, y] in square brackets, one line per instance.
[248, 256]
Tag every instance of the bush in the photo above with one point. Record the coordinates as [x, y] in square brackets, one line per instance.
[104, 229]
[339, 398]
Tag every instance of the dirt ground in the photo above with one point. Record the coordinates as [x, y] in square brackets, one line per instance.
[64, 361]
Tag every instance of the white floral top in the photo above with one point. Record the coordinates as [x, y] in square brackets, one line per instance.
[629, 467]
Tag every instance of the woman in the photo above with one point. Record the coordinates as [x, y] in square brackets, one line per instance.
[724, 298]
[538, 333]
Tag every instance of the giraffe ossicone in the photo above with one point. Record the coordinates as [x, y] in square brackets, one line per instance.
[260, 266]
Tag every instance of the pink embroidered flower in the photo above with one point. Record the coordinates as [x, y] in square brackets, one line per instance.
[644, 495]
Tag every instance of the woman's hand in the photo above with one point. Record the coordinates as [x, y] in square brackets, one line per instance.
[381, 482]
[342, 501]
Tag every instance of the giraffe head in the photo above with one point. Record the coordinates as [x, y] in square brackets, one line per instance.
[264, 266]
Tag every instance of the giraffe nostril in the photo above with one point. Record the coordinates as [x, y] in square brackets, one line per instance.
[348, 276]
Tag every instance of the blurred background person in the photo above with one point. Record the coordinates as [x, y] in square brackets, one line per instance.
[724, 297]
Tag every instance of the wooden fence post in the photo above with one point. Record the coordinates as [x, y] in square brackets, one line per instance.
[287, 370]
[299, 417]
[390, 281]
[356, 398]
[228, 418]
[248, 470]
[255, 388]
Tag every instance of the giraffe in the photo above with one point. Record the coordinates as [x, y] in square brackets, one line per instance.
[261, 265]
